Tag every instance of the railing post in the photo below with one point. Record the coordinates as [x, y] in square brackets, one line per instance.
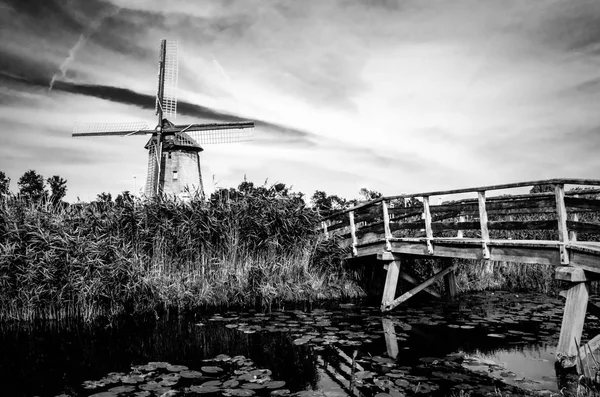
[428, 230]
[325, 232]
[353, 233]
[459, 234]
[561, 217]
[386, 225]
[483, 223]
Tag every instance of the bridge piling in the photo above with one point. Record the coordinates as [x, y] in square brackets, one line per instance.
[391, 282]
[572, 324]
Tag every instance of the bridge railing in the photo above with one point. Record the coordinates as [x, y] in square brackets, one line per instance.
[561, 215]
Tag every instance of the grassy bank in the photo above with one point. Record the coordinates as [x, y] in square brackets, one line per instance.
[106, 258]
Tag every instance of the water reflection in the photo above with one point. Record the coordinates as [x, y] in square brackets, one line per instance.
[477, 344]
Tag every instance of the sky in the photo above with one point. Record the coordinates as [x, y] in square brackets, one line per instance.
[398, 96]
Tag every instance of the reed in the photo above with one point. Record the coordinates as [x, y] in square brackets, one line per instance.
[133, 256]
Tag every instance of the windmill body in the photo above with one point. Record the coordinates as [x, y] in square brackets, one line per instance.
[173, 150]
[180, 172]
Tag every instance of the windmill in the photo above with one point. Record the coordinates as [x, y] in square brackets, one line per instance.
[173, 150]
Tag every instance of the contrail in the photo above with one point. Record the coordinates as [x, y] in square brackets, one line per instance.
[64, 67]
[225, 78]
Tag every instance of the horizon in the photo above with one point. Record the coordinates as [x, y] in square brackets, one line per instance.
[393, 96]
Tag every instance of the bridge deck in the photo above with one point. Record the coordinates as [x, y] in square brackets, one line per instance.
[584, 254]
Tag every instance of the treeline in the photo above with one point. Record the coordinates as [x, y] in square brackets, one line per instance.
[34, 188]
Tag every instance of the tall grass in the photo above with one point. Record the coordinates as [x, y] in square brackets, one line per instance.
[137, 256]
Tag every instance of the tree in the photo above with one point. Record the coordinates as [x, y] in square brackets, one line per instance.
[31, 186]
[58, 189]
[327, 204]
[4, 184]
[368, 195]
[542, 188]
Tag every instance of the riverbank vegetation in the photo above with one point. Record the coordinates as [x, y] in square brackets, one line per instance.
[240, 247]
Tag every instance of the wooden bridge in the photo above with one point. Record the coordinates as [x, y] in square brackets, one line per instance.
[558, 227]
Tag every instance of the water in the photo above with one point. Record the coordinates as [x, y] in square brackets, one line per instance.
[476, 345]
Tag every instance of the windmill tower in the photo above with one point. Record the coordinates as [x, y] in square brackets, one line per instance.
[173, 150]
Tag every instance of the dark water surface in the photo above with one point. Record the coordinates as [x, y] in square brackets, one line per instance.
[480, 344]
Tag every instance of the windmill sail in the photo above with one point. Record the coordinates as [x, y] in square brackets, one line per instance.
[166, 97]
[110, 129]
[219, 133]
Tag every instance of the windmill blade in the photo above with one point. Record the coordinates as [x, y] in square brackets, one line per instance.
[111, 129]
[171, 67]
[219, 133]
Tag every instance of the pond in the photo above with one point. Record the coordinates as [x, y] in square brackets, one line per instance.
[479, 344]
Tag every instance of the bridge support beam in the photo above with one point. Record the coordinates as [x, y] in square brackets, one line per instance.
[450, 279]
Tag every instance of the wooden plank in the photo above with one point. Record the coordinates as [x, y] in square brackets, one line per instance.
[353, 232]
[391, 281]
[572, 323]
[386, 225]
[414, 281]
[428, 230]
[583, 227]
[586, 260]
[582, 203]
[492, 225]
[483, 220]
[417, 289]
[573, 274]
[561, 215]
[570, 181]
[541, 255]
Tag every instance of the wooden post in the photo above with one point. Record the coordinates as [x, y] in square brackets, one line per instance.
[428, 230]
[572, 323]
[391, 281]
[386, 225]
[391, 341]
[353, 233]
[483, 222]
[561, 217]
[450, 279]
[459, 234]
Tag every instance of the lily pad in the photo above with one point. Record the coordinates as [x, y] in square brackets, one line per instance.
[190, 374]
[211, 369]
[238, 392]
[253, 386]
[275, 384]
[176, 368]
[280, 392]
[231, 384]
[122, 389]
